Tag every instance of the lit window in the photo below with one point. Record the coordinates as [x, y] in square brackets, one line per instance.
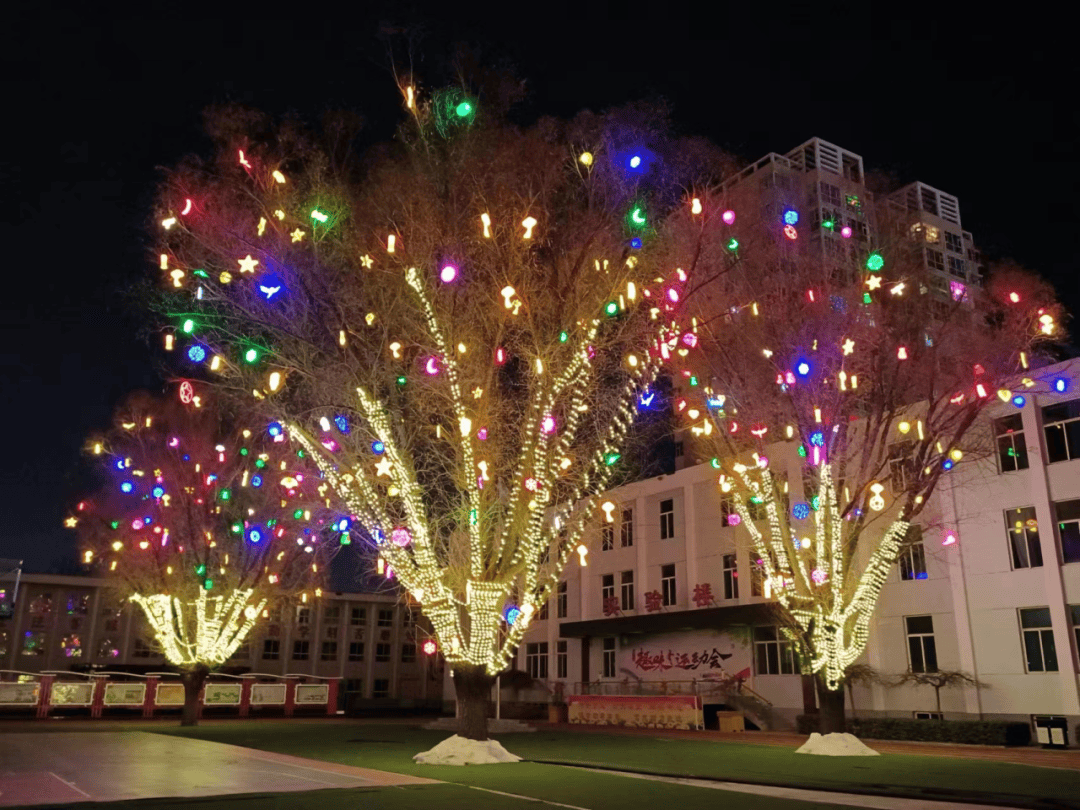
[1011, 448]
[1023, 532]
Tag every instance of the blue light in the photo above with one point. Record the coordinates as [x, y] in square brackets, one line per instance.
[921, 576]
[343, 525]
[802, 368]
[1018, 401]
[378, 448]
[715, 402]
[511, 614]
[256, 481]
[270, 285]
[1061, 385]
[817, 438]
[947, 464]
[255, 534]
[636, 243]
[119, 464]
[158, 491]
[342, 424]
[646, 400]
[274, 428]
[801, 510]
[127, 487]
[635, 161]
[791, 217]
[196, 353]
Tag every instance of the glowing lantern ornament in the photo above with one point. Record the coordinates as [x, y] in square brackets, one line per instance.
[877, 502]
[196, 353]
[1061, 385]
[790, 232]
[791, 216]
[802, 368]
[695, 206]
[1019, 401]
[548, 425]
[464, 109]
[275, 429]
[448, 273]
[430, 647]
[801, 510]
[950, 538]
[728, 217]
[431, 367]
[528, 224]
[846, 232]
[400, 537]
[874, 262]
[586, 159]
[511, 614]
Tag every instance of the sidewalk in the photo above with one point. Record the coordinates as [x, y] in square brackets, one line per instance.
[1030, 755]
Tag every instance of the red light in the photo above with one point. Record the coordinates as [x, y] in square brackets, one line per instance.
[790, 232]
[430, 647]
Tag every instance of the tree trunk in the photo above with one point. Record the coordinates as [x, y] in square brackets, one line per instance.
[832, 708]
[193, 680]
[473, 687]
[937, 698]
[851, 694]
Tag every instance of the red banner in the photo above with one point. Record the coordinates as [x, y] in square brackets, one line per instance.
[642, 711]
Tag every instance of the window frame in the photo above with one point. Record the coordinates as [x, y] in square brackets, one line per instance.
[267, 642]
[356, 651]
[1042, 634]
[328, 651]
[626, 527]
[927, 643]
[667, 519]
[562, 600]
[608, 651]
[773, 655]
[626, 590]
[384, 652]
[1067, 427]
[669, 581]
[912, 559]
[301, 650]
[607, 535]
[536, 660]
[1068, 541]
[731, 576]
[384, 618]
[358, 617]
[1010, 435]
[1032, 545]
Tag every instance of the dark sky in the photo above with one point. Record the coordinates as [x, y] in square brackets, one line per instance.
[980, 107]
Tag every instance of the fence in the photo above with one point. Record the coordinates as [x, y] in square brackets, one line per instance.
[701, 687]
[101, 691]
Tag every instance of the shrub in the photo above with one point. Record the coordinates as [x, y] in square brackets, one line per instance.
[968, 732]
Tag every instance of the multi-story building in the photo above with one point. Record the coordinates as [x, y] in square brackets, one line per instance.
[670, 594]
[369, 640]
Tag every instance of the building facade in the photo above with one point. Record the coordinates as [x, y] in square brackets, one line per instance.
[369, 640]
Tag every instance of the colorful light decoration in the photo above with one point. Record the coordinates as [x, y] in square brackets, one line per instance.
[448, 273]
[846, 232]
[430, 647]
[728, 217]
[196, 353]
[791, 216]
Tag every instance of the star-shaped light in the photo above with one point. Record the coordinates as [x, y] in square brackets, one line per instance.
[849, 346]
[297, 235]
[367, 261]
[247, 264]
[383, 467]
[71, 522]
[873, 282]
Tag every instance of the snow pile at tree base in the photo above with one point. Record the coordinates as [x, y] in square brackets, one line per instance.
[458, 750]
[836, 745]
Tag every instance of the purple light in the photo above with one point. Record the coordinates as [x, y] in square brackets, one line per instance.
[448, 273]
[846, 232]
[729, 217]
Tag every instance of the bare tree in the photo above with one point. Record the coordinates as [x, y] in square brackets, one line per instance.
[860, 675]
[835, 394]
[458, 332]
[204, 527]
[945, 679]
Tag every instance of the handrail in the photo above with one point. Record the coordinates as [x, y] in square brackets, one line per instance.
[756, 695]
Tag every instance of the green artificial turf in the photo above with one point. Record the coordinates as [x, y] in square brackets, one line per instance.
[390, 747]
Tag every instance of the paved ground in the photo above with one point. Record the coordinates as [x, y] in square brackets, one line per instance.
[1031, 755]
[111, 766]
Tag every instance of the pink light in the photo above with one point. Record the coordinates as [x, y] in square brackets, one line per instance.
[734, 427]
[733, 519]
[547, 425]
[810, 295]
[400, 537]
[690, 339]
[817, 575]
[500, 356]
[532, 485]
[187, 392]
[329, 444]
[187, 207]
[174, 442]
[728, 217]
[137, 524]
[789, 378]
[448, 273]
[790, 232]
[432, 366]
[846, 232]
[481, 434]
[950, 538]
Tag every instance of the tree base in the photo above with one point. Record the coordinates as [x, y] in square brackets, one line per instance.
[831, 709]
[473, 687]
[193, 680]
[458, 750]
[836, 745]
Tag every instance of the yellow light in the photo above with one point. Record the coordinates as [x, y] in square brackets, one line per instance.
[97, 448]
[278, 176]
[608, 508]
[632, 360]
[168, 223]
[486, 221]
[391, 243]
[465, 425]
[956, 454]
[919, 425]
[695, 206]
[631, 291]
[904, 427]
[586, 158]
[164, 259]
[262, 226]
[177, 275]
[1023, 359]
[395, 350]
[461, 348]
[877, 502]
[539, 366]
[279, 214]
[790, 431]
[369, 319]
[169, 342]
[582, 552]
[117, 545]
[215, 362]
[528, 223]
[410, 97]
[341, 337]
[275, 380]
[225, 277]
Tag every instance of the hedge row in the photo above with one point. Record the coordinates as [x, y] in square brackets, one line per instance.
[969, 732]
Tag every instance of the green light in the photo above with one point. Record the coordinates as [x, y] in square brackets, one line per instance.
[636, 218]
[612, 308]
[563, 337]
[693, 381]
[472, 517]
[271, 523]
[188, 327]
[225, 495]
[715, 463]
[815, 502]
[346, 540]
[260, 463]
[299, 513]
[866, 298]
[115, 524]
[756, 499]
[251, 356]
[200, 570]
[463, 109]
[200, 273]
[733, 245]
[243, 451]
[237, 527]
[611, 458]
[874, 262]
[802, 451]
[319, 216]
[208, 584]
[401, 380]
[828, 223]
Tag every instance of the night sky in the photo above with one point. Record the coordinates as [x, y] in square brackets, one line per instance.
[981, 108]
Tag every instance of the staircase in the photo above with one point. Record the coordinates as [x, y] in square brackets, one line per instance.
[753, 707]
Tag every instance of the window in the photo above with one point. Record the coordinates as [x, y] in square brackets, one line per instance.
[954, 243]
[1038, 635]
[78, 604]
[358, 617]
[356, 651]
[757, 578]
[386, 618]
[1074, 617]
[830, 194]
[1023, 531]
[731, 577]
[607, 587]
[561, 667]
[607, 535]
[332, 614]
[956, 267]
[141, 649]
[536, 660]
[928, 716]
[626, 529]
[773, 654]
[1061, 424]
[901, 468]
[667, 519]
[935, 260]
[913, 556]
[1068, 521]
[921, 647]
[626, 590]
[271, 649]
[756, 507]
[381, 688]
[303, 615]
[679, 450]
[330, 632]
[1011, 449]
[301, 650]
[561, 601]
[382, 653]
[408, 653]
[543, 612]
[108, 648]
[667, 584]
[608, 658]
[328, 651]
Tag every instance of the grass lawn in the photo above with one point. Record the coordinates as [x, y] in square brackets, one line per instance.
[390, 747]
